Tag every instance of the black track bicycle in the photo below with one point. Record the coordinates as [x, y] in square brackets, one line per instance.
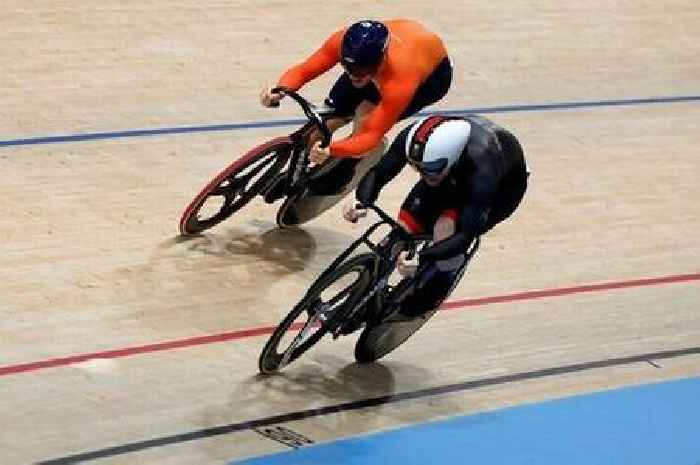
[356, 291]
[282, 159]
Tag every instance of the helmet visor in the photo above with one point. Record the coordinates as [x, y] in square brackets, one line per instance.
[430, 168]
[359, 71]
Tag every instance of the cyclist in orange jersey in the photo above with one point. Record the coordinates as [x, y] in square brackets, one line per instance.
[392, 70]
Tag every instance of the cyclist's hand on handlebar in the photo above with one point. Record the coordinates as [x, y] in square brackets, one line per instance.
[406, 267]
[319, 154]
[313, 136]
[352, 213]
[270, 99]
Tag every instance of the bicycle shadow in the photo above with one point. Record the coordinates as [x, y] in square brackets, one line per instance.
[316, 381]
[287, 250]
[338, 397]
[353, 381]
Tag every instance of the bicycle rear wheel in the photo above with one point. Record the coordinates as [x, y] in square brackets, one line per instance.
[322, 309]
[380, 339]
[235, 186]
[326, 188]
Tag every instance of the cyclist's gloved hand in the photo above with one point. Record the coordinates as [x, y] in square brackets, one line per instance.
[368, 191]
[351, 213]
[446, 248]
[406, 267]
[319, 154]
[268, 98]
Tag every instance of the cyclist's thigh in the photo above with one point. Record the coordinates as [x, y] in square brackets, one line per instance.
[423, 206]
[419, 210]
[345, 98]
[432, 90]
[432, 287]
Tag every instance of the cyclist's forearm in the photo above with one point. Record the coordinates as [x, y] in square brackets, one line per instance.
[379, 176]
[448, 248]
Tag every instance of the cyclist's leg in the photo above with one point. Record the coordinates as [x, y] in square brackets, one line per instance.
[353, 103]
[435, 280]
[411, 218]
[345, 98]
[430, 209]
[421, 212]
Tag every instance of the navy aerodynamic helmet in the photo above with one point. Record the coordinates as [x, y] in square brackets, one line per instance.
[363, 47]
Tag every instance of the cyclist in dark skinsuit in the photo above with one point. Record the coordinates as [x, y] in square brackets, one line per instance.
[473, 176]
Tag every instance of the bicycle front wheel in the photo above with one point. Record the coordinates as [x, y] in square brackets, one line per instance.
[235, 186]
[323, 308]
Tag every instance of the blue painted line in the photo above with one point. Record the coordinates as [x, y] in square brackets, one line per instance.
[650, 424]
[147, 132]
[291, 122]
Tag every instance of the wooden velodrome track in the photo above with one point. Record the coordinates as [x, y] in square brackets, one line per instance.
[94, 274]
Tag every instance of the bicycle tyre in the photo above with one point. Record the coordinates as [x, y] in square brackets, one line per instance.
[272, 155]
[271, 360]
[306, 205]
[378, 340]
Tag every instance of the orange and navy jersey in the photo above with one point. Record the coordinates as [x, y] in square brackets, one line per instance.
[413, 53]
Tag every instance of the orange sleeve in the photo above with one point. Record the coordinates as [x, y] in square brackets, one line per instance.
[395, 99]
[318, 63]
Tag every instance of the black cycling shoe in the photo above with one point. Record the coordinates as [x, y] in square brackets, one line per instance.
[277, 189]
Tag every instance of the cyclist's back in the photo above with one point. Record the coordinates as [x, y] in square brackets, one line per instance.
[491, 160]
[473, 176]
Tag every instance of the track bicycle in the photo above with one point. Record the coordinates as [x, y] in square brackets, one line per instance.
[356, 292]
[283, 159]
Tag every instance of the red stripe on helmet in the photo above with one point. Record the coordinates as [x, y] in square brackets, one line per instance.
[427, 127]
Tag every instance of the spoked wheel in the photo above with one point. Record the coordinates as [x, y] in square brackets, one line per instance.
[378, 340]
[322, 309]
[235, 186]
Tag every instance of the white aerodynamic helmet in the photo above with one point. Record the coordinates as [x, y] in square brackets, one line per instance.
[435, 143]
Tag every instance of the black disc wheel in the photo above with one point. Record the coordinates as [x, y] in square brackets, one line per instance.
[380, 339]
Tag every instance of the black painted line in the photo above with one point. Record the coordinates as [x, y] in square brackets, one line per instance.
[291, 122]
[361, 404]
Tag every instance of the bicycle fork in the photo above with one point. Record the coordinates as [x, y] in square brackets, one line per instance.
[351, 317]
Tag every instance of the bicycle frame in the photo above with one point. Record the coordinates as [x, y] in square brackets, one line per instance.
[251, 175]
[299, 161]
[380, 280]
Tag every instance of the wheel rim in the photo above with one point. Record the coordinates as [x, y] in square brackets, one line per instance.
[318, 314]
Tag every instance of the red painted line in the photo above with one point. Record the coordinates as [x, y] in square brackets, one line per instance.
[562, 291]
[265, 330]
